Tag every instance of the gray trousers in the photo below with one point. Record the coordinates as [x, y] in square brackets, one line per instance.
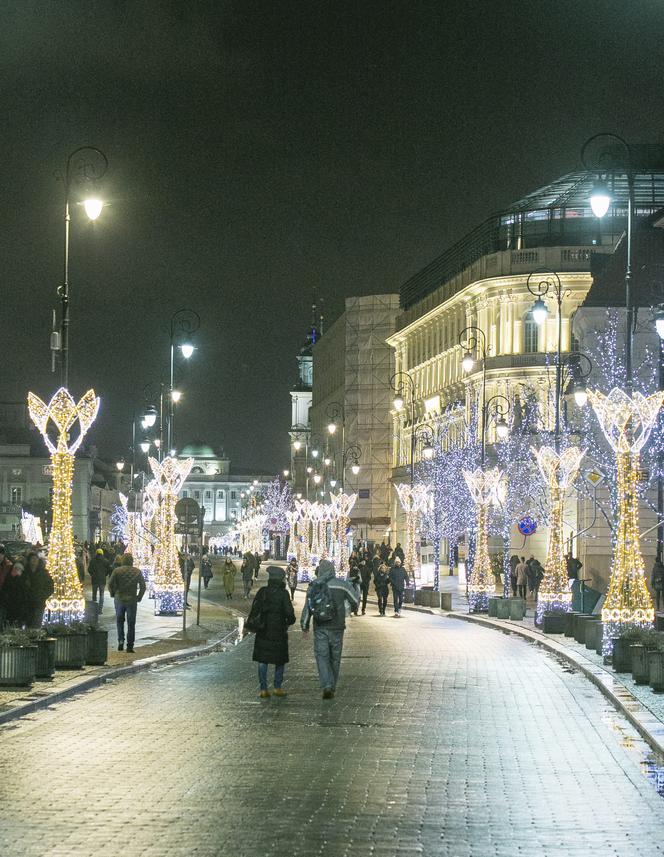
[328, 644]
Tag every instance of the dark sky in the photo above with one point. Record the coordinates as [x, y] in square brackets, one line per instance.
[261, 150]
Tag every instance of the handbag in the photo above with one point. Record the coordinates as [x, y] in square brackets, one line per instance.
[256, 620]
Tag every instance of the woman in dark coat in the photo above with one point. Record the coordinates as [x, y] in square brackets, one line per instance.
[38, 589]
[273, 603]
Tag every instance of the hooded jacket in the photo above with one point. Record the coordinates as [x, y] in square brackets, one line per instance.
[341, 591]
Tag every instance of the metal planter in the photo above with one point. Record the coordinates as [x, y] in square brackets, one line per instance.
[554, 623]
[97, 647]
[640, 669]
[18, 665]
[45, 658]
[503, 608]
[517, 607]
[493, 606]
[656, 670]
[621, 659]
[71, 651]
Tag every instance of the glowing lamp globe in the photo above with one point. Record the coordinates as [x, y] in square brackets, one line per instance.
[93, 207]
[398, 403]
[540, 312]
[120, 465]
[333, 483]
[145, 446]
[186, 349]
[314, 452]
[332, 427]
[580, 395]
[297, 445]
[356, 469]
[600, 198]
[150, 417]
[176, 395]
[467, 362]
[317, 478]
[427, 452]
[502, 429]
[659, 324]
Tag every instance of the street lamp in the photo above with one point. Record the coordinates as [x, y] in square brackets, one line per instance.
[402, 383]
[176, 395]
[286, 474]
[473, 339]
[184, 323]
[145, 446]
[120, 465]
[317, 478]
[89, 171]
[331, 428]
[352, 455]
[600, 198]
[297, 445]
[150, 417]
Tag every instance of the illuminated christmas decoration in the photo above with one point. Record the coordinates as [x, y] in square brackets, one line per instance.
[67, 602]
[30, 529]
[483, 486]
[414, 500]
[120, 522]
[277, 503]
[559, 471]
[170, 475]
[343, 504]
[304, 553]
[293, 552]
[626, 422]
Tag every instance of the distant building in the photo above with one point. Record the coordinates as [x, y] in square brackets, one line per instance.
[300, 428]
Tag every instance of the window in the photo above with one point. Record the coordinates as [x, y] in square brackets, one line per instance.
[185, 493]
[220, 495]
[16, 495]
[208, 495]
[530, 334]
[197, 495]
[233, 495]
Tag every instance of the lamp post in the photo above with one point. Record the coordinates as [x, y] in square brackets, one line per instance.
[89, 171]
[404, 388]
[335, 413]
[473, 339]
[607, 165]
[352, 455]
[184, 323]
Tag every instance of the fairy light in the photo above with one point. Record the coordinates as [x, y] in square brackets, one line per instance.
[559, 471]
[626, 422]
[414, 500]
[170, 475]
[483, 486]
[67, 603]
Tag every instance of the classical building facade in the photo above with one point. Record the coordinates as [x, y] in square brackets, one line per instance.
[482, 282]
[352, 368]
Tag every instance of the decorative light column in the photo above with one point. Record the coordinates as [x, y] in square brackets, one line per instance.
[293, 544]
[559, 471]
[414, 499]
[67, 603]
[483, 486]
[626, 422]
[170, 475]
[302, 509]
[344, 504]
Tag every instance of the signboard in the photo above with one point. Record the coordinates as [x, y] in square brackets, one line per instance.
[187, 511]
[186, 529]
[363, 493]
[527, 526]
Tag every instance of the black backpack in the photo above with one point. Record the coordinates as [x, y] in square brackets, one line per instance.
[321, 604]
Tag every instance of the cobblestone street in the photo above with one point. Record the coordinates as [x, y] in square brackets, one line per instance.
[445, 739]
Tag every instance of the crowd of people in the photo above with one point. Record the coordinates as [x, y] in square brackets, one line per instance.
[25, 586]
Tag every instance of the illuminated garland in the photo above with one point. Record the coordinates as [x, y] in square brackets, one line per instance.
[120, 522]
[626, 422]
[304, 554]
[170, 475]
[559, 471]
[343, 505]
[67, 603]
[30, 529]
[483, 486]
[293, 544]
[414, 500]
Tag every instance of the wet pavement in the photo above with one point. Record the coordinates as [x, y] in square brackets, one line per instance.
[445, 738]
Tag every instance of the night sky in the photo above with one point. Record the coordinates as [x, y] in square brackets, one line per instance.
[260, 151]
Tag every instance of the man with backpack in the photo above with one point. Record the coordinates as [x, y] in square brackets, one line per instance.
[325, 602]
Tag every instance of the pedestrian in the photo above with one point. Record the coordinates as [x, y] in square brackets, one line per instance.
[228, 574]
[38, 586]
[291, 577]
[398, 553]
[325, 602]
[13, 597]
[573, 565]
[522, 578]
[257, 564]
[206, 570]
[514, 561]
[382, 585]
[366, 573]
[384, 551]
[247, 572]
[657, 582]
[537, 576]
[127, 587]
[99, 570]
[354, 577]
[5, 568]
[271, 615]
[398, 581]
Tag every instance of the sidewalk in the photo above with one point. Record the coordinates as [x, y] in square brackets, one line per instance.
[159, 639]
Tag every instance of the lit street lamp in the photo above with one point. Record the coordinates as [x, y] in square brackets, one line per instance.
[184, 323]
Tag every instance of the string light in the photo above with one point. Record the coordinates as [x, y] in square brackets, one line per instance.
[483, 486]
[67, 603]
[414, 500]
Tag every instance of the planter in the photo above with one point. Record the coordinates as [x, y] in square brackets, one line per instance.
[569, 624]
[91, 613]
[517, 608]
[593, 631]
[640, 670]
[419, 597]
[45, 658]
[408, 596]
[656, 670]
[18, 665]
[70, 651]
[445, 600]
[493, 606]
[554, 623]
[434, 599]
[503, 608]
[97, 647]
[581, 625]
[600, 639]
[622, 655]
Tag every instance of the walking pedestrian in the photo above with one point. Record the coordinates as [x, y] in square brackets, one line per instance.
[127, 587]
[399, 581]
[271, 615]
[228, 575]
[99, 569]
[206, 570]
[366, 569]
[536, 575]
[247, 572]
[13, 596]
[325, 602]
[38, 588]
[257, 564]
[657, 582]
[354, 578]
[398, 553]
[291, 577]
[514, 561]
[522, 578]
[382, 585]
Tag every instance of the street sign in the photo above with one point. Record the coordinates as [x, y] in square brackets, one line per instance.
[186, 529]
[187, 512]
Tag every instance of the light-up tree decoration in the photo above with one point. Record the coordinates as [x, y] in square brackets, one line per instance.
[414, 500]
[304, 561]
[626, 422]
[67, 602]
[343, 504]
[293, 551]
[30, 528]
[170, 475]
[316, 513]
[484, 486]
[559, 471]
[120, 523]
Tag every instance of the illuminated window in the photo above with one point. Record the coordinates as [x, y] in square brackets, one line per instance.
[530, 334]
[16, 495]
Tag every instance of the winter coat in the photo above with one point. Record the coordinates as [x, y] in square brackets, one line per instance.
[127, 584]
[14, 597]
[273, 601]
[398, 578]
[248, 567]
[382, 582]
[206, 568]
[99, 570]
[291, 577]
[521, 574]
[398, 552]
[229, 573]
[657, 580]
[341, 593]
[365, 572]
[38, 586]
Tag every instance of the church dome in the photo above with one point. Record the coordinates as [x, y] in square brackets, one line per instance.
[198, 450]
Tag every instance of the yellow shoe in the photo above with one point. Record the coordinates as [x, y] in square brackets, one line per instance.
[279, 692]
[264, 694]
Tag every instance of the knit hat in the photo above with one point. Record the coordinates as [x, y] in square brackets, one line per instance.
[275, 572]
[324, 566]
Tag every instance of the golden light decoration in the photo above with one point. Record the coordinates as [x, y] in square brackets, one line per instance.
[627, 422]
[559, 471]
[484, 487]
[170, 475]
[304, 552]
[67, 602]
[343, 505]
[414, 499]
[293, 544]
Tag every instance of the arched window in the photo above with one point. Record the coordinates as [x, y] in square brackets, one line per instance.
[530, 334]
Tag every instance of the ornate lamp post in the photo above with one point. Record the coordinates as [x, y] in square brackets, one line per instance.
[184, 323]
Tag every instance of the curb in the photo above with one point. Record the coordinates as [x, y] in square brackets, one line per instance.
[117, 672]
[649, 727]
